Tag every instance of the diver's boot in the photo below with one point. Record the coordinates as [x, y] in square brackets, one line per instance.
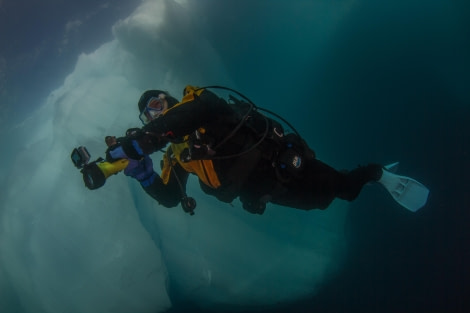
[356, 179]
[365, 174]
[375, 171]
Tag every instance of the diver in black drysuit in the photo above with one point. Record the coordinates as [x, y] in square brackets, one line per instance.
[234, 150]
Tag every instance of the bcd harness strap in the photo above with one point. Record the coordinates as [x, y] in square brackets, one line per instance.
[204, 169]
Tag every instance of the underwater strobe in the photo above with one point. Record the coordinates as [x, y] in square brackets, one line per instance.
[96, 172]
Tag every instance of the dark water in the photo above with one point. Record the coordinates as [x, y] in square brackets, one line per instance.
[389, 82]
[389, 85]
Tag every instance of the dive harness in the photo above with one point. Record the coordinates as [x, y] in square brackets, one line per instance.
[289, 152]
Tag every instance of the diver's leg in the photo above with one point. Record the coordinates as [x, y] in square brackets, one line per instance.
[170, 194]
[351, 183]
[321, 184]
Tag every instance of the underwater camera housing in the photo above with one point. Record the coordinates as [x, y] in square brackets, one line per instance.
[96, 172]
[93, 176]
[80, 157]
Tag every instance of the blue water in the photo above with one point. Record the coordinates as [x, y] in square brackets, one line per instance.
[362, 81]
[388, 85]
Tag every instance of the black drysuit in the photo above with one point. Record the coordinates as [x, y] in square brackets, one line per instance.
[247, 155]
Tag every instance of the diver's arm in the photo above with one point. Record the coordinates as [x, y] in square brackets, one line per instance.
[170, 194]
[191, 114]
[166, 195]
[142, 143]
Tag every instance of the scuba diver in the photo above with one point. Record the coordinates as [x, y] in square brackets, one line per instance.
[236, 152]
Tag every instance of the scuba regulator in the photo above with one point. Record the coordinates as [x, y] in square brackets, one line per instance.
[96, 172]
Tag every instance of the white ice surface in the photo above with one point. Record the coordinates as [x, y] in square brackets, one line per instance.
[64, 248]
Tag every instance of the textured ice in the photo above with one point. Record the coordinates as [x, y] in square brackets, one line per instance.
[64, 248]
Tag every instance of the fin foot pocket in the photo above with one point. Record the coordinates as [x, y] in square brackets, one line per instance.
[408, 192]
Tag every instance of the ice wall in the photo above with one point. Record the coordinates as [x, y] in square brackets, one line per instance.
[64, 248]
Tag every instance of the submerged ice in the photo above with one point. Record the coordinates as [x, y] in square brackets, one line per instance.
[64, 248]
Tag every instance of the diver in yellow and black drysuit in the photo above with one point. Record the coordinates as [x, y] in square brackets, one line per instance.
[235, 151]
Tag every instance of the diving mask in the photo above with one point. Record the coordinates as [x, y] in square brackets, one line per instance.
[153, 109]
